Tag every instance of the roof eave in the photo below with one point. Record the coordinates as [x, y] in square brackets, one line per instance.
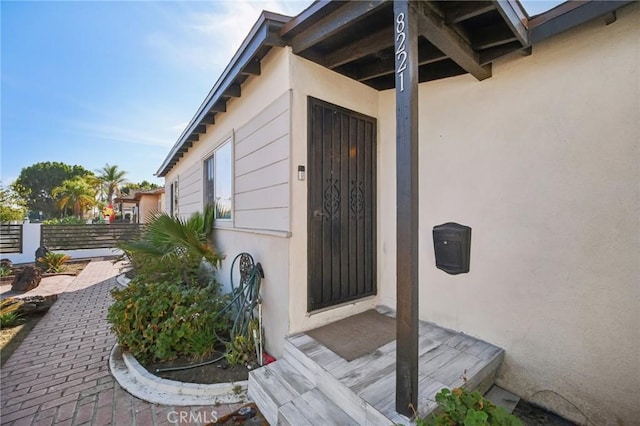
[265, 32]
[568, 15]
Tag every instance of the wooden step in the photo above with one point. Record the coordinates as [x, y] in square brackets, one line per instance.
[274, 385]
[313, 408]
[311, 383]
[308, 356]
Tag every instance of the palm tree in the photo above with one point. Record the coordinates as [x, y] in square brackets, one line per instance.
[111, 178]
[76, 193]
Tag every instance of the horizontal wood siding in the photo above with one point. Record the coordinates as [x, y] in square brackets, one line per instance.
[76, 237]
[190, 190]
[262, 169]
[10, 238]
[270, 219]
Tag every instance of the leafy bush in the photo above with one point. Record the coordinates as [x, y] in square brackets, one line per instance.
[67, 220]
[461, 408]
[241, 350]
[163, 320]
[53, 262]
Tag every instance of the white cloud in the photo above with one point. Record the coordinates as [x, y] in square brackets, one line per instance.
[211, 36]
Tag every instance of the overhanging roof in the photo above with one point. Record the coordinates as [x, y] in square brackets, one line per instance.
[356, 39]
[262, 37]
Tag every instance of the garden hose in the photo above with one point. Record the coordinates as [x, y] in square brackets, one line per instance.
[245, 299]
[247, 295]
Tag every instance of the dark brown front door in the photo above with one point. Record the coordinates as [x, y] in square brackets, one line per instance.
[342, 205]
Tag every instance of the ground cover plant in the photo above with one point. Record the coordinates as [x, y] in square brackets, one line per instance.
[459, 407]
[173, 306]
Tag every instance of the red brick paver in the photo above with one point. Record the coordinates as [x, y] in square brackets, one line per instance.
[60, 376]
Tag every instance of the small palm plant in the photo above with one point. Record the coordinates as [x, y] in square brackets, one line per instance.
[53, 262]
[176, 244]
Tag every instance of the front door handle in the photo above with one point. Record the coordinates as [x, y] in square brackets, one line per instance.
[317, 213]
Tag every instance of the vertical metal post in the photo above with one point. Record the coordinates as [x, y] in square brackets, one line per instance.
[406, 43]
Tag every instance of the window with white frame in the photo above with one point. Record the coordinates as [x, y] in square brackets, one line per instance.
[217, 181]
[173, 198]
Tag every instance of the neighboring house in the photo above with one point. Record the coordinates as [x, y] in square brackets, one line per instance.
[528, 132]
[140, 205]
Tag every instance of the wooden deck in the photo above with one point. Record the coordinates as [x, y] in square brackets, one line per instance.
[313, 385]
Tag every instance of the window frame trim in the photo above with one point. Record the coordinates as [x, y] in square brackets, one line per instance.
[230, 139]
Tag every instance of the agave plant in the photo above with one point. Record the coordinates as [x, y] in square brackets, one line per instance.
[179, 243]
[53, 262]
[5, 271]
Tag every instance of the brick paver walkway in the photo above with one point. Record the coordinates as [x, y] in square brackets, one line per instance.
[59, 374]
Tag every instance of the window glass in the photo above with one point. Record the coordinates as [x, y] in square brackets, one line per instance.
[222, 181]
[209, 188]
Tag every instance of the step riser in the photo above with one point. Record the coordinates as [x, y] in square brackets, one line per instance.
[341, 395]
[263, 400]
[309, 369]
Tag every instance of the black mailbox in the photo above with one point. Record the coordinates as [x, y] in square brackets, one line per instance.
[452, 245]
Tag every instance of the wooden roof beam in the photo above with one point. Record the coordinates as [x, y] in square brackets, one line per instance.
[467, 10]
[492, 37]
[252, 68]
[219, 107]
[201, 129]
[210, 118]
[233, 91]
[426, 55]
[515, 18]
[331, 24]
[433, 27]
[363, 47]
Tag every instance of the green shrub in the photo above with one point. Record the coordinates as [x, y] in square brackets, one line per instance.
[241, 350]
[5, 271]
[53, 262]
[158, 321]
[67, 220]
[462, 408]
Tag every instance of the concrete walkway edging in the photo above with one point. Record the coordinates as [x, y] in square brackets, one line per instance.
[136, 380]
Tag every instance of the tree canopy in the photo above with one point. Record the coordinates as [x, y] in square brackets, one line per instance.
[52, 188]
[11, 205]
[112, 178]
[36, 183]
[77, 193]
[142, 186]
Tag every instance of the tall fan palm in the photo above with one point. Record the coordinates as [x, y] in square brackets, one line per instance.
[112, 178]
[76, 193]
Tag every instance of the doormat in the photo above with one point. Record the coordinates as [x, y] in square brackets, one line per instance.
[356, 336]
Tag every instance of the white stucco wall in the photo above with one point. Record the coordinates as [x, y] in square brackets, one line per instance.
[542, 161]
[266, 246]
[309, 79]
[31, 243]
[147, 206]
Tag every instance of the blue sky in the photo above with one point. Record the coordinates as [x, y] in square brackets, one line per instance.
[116, 82]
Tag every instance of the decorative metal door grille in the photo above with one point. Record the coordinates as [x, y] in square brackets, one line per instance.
[342, 205]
